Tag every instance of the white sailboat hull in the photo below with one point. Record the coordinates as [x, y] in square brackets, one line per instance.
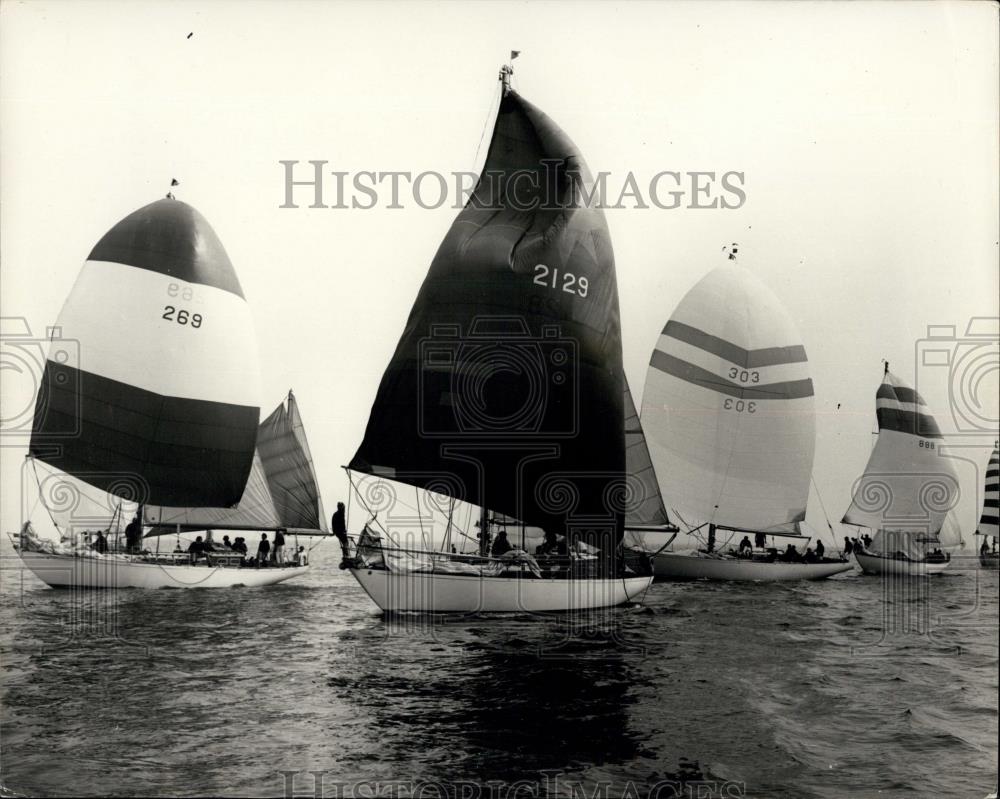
[698, 567]
[70, 571]
[877, 564]
[426, 592]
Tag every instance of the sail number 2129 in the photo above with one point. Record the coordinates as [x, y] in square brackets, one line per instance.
[567, 281]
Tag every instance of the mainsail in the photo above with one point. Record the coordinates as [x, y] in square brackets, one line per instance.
[281, 492]
[162, 405]
[908, 485]
[728, 407]
[288, 464]
[506, 387]
[989, 522]
[644, 503]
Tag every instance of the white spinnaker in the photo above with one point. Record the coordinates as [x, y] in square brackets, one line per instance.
[728, 407]
[908, 484]
[950, 535]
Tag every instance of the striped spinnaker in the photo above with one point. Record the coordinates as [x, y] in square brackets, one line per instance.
[728, 407]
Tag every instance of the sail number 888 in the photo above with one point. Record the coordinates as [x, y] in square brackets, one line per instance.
[739, 405]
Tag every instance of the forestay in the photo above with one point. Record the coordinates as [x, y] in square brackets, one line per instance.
[908, 484]
[728, 407]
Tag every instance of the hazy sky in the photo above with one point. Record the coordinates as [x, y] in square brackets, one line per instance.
[867, 134]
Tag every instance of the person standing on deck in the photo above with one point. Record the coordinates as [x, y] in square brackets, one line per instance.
[263, 549]
[820, 549]
[133, 535]
[278, 553]
[339, 526]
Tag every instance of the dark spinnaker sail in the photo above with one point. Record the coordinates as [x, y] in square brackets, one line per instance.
[506, 388]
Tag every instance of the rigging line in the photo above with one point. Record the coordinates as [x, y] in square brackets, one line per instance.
[374, 516]
[823, 507]
[486, 122]
[38, 482]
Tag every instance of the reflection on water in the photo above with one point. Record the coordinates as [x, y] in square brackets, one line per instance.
[819, 689]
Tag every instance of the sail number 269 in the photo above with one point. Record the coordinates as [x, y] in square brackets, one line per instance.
[180, 315]
[571, 284]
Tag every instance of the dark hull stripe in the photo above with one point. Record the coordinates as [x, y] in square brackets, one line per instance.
[916, 424]
[751, 359]
[991, 503]
[899, 393]
[172, 238]
[181, 452]
[682, 370]
[995, 519]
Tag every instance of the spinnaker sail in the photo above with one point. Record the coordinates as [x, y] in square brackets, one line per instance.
[728, 407]
[908, 485]
[158, 400]
[506, 388]
[989, 521]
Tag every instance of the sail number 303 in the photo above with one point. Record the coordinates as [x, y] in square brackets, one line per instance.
[180, 315]
[567, 281]
[739, 405]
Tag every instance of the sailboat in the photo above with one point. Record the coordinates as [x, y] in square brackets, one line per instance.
[728, 413]
[989, 522]
[907, 489]
[506, 392]
[149, 400]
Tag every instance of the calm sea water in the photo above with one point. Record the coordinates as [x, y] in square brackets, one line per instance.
[850, 687]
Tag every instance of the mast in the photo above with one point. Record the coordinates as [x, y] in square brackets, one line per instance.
[484, 526]
[505, 73]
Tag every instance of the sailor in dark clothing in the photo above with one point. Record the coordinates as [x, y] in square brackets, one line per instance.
[339, 526]
[745, 545]
[197, 550]
[501, 545]
[278, 553]
[760, 540]
[820, 549]
[263, 550]
[848, 547]
[133, 535]
[101, 544]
